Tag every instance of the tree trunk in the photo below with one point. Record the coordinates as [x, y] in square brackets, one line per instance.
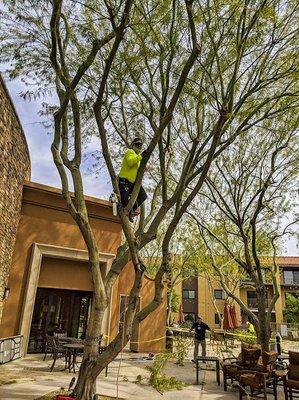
[263, 330]
[86, 383]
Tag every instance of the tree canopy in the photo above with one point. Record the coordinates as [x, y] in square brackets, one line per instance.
[192, 79]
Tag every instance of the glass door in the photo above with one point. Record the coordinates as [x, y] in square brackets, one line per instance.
[58, 311]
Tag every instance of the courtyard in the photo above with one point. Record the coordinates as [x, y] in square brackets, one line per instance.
[149, 199]
[30, 378]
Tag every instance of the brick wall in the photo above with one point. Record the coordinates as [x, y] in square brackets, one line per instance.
[14, 169]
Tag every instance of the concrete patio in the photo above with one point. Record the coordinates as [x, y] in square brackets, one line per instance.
[39, 381]
[29, 378]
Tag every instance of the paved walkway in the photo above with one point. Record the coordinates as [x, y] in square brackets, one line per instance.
[34, 380]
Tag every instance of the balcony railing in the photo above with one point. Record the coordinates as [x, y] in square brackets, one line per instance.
[252, 303]
[291, 281]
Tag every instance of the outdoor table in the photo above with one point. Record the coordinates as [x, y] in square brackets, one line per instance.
[212, 359]
[73, 349]
[218, 335]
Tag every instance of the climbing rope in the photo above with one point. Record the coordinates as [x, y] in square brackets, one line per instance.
[122, 347]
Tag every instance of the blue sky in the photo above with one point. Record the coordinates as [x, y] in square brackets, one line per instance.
[43, 169]
[39, 141]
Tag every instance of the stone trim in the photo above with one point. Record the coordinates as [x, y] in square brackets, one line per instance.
[45, 250]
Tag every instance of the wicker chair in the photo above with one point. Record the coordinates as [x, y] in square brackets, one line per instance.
[291, 380]
[262, 379]
[247, 360]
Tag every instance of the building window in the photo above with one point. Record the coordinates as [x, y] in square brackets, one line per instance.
[252, 299]
[218, 294]
[217, 320]
[188, 294]
[291, 277]
[288, 277]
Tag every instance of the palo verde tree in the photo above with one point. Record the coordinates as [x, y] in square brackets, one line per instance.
[231, 273]
[250, 195]
[189, 78]
[184, 263]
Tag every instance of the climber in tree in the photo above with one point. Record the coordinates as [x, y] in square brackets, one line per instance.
[128, 174]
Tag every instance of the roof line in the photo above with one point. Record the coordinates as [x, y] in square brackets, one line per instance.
[58, 191]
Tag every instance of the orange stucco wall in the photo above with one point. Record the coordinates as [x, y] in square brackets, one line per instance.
[45, 220]
[153, 327]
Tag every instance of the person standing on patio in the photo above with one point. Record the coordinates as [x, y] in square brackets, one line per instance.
[200, 337]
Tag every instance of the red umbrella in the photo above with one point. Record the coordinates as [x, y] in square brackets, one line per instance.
[181, 315]
[227, 320]
[233, 314]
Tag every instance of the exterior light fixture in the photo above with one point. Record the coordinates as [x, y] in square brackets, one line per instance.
[6, 293]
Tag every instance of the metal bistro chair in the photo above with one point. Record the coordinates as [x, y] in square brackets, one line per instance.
[56, 351]
[49, 344]
[76, 340]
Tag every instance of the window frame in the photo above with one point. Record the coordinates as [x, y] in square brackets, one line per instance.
[219, 291]
[188, 297]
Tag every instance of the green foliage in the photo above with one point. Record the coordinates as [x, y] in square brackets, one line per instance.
[187, 323]
[291, 311]
[175, 302]
[158, 379]
[182, 346]
[244, 336]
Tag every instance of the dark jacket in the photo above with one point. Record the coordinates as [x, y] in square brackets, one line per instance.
[200, 330]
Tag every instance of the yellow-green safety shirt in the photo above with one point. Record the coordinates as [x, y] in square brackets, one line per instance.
[130, 165]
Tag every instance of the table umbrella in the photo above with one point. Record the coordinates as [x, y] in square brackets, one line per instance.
[181, 315]
[233, 314]
[227, 319]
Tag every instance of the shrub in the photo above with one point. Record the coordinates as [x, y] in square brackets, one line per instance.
[158, 379]
[182, 345]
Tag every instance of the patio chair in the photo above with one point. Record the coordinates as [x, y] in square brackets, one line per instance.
[233, 366]
[291, 379]
[49, 343]
[80, 352]
[56, 351]
[262, 379]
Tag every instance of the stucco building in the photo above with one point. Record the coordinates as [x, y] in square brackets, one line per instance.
[198, 298]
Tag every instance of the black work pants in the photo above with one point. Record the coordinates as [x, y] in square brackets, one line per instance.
[126, 188]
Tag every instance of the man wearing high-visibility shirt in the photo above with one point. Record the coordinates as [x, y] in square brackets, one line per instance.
[128, 174]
